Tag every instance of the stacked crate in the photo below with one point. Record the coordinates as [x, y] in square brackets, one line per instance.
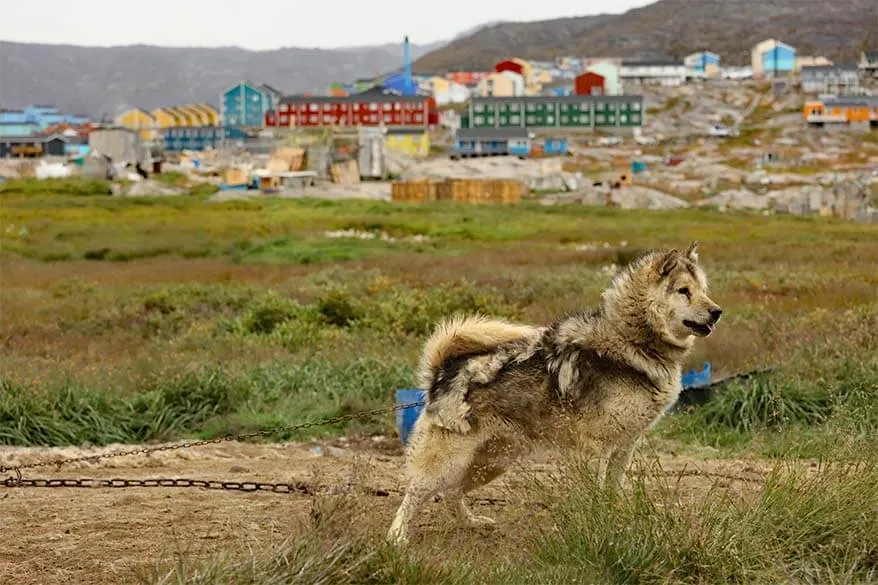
[459, 190]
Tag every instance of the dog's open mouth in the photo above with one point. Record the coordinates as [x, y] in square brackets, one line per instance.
[700, 329]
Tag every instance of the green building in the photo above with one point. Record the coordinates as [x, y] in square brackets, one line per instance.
[572, 112]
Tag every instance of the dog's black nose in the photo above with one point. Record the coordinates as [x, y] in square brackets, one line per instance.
[715, 314]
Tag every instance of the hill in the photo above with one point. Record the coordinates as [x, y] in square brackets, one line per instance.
[674, 27]
[99, 80]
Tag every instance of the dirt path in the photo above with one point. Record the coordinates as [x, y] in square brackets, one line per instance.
[91, 536]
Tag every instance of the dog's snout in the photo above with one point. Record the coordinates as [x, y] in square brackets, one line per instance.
[715, 314]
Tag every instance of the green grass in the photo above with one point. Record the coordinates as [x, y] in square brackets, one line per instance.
[154, 319]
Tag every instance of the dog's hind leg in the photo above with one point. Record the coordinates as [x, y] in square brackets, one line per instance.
[491, 460]
[438, 461]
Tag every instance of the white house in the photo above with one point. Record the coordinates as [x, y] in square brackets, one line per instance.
[831, 79]
[609, 70]
[658, 71]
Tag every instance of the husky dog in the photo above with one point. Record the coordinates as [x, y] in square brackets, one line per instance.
[595, 380]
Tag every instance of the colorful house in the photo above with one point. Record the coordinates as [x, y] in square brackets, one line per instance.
[32, 146]
[12, 116]
[245, 104]
[610, 72]
[567, 112]
[210, 113]
[589, 83]
[666, 72]
[842, 111]
[413, 142]
[771, 58]
[702, 65]
[139, 120]
[163, 118]
[366, 109]
[830, 79]
[18, 128]
[502, 84]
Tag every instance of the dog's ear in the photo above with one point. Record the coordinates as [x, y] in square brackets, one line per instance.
[668, 262]
[692, 252]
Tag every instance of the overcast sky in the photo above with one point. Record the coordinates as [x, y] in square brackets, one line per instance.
[270, 24]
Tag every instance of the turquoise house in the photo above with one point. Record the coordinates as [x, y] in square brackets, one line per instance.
[8, 129]
[245, 104]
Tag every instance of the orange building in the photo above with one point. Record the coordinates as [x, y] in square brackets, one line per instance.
[849, 110]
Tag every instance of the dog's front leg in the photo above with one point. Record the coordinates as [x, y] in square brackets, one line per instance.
[617, 463]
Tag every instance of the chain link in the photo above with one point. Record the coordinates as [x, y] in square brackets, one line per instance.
[17, 469]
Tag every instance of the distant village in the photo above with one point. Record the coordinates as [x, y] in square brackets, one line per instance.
[497, 109]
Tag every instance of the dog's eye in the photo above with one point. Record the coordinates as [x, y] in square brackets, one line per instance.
[684, 291]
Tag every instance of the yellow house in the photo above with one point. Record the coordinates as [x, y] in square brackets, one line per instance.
[164, 118]
[210, 114]
[438, 85]
[527, 70]
[505, 84]
[193, 115]
[137, 119]
[413, 143]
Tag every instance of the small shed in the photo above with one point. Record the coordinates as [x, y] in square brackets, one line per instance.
[589, 83]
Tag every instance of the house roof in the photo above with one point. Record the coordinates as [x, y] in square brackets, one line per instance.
[861, 102]
[491, 133]
[871, 55]
[657, 62]
[8, 111]
[829, 68]
[273, 89]
[374, 97]
[27, 122]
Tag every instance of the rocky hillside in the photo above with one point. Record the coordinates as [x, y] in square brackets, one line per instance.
[108, 80]
[838, 30]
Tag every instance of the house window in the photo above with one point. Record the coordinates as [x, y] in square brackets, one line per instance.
[387, 106]
[373, 118]
[635, 118]
[327, 107]
[623, 118]
[313, 119]
[600, 119]
[635, 106]
[479, 120]
[530, 108]
[565, 119]
[313, 107]
[515, 119]
[531, 120]
[419, 118]
[550, 119]
[327, 119]
[513, 107]
[397, 106]
[388, 118]
[479, 108]
[373, 107]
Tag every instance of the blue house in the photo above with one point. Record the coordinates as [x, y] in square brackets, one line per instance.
[245, 104]
[12, 116]
[476, 142]
[699, 64]
[771, 58]
[18, 129]
[199, 138]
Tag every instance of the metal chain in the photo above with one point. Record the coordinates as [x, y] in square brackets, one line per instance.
[17, 469]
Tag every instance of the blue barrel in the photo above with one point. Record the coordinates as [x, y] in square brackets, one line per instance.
[406, 417]
[695, 378]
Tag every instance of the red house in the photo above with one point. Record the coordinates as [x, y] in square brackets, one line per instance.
[356, 110]
[589, 83]
[509, 65]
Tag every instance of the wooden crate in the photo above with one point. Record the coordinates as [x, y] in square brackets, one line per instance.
[474, 191]
[417, 191]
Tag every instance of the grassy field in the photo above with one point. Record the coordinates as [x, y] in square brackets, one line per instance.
[137, 320]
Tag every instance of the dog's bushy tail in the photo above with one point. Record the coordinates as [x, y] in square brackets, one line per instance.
[461, 335]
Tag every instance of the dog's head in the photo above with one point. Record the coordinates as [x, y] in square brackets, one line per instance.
[678, 305]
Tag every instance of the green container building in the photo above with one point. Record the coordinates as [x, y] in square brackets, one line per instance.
[568, 112]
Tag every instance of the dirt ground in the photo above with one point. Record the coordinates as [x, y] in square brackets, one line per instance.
[107, 535]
